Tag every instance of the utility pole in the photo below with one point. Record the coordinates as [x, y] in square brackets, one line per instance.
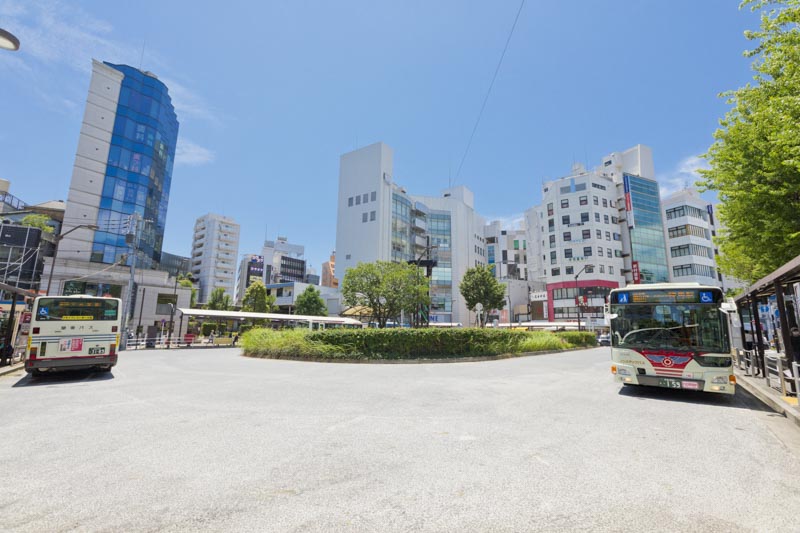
[132, 238]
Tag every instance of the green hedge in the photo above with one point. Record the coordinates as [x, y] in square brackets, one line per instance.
[405, 343]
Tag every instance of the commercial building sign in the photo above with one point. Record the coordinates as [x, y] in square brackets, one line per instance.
[635, 271]
[626, 181]
[255, 270]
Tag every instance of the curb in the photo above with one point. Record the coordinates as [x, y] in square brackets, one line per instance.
[420, 361]
[11, 369]
[768, 397]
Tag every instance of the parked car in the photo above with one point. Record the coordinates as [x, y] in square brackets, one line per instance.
[604, 339]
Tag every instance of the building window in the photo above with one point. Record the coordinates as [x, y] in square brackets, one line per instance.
[595, 200]
[600, 251]
[570, 270]
[605, 202]
[597, 217]
[364, 216]
[568, 253]
[551, 225]
[564, 203]
[598, 233]
[583, 200]
[350, 202]
[552, 241]
[358, 200]
[365, 198]
[373, 196]
[567, 236]
[550, 209]
[371, 216]
[608, 235]
[614, 220]
[553, 258]
[586, 234]
[565, 220]
[602, 269]
[616, 236]
[605, 219]
[587, 251]
[610, 269]
[347, 256]
[584, 217]
[608, 252]
[556, 271]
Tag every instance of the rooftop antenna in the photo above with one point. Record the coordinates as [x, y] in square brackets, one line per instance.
[141, 57]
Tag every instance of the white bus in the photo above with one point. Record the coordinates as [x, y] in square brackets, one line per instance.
[672, 335]
[73, 332]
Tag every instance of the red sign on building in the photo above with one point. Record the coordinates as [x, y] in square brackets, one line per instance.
[635, 271]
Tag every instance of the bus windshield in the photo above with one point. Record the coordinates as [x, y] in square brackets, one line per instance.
[76, 309]
[675, 327]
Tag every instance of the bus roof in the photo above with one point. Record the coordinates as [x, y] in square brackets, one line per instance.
[666, 286]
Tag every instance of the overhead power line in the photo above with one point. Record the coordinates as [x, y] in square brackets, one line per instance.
[488, 92]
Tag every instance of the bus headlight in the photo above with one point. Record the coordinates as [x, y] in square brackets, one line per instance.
[720, 380]
[623, 372]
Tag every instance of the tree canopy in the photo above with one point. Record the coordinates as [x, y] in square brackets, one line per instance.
[310, 303]
[36, 220]
[479, 286]
[255, 299]
[219, 301]
[385, 289]
[186, 282]
[755, 159]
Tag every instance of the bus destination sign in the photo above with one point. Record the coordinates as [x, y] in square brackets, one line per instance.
[682, 296]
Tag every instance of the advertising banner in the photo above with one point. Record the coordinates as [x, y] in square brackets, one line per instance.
[635, 271]
[628, 201]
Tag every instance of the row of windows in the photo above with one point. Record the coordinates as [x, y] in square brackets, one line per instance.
[569, 270]
[568, 293]
[587, 252]
[694, 270]
[686, 210]
[582, 200]
[566, 220]
[362, 198]
[688, 229]
[365, 216]
[585, 235]
[691, 249]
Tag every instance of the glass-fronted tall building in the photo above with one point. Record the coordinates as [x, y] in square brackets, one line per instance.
[123, 168]
[646, 229]
[139, 169]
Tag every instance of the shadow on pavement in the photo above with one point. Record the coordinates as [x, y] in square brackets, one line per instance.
[65, 376]
[741, 400]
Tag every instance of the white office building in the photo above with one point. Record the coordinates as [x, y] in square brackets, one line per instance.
[284, 261]
[215, 250]
[378, 220]
[596, 230]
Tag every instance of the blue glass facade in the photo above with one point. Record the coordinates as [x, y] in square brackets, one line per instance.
[647, 235]
[440, 232]
[139, 169]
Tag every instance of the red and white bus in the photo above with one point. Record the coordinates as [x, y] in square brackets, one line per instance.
[73, 332]
[672, 335]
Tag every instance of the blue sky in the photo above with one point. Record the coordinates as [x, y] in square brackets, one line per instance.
[270, 94]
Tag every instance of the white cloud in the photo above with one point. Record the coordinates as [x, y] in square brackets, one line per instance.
[190, 154]
[509, 222]
[683, 176]
[54, 36]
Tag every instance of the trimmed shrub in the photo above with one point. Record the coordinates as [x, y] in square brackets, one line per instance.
[404, 343]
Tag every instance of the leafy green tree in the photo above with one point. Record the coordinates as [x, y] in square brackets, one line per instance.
[755, 159]
[36, 220]
[255, 298]
[218, 300]
[310, 303]
[385, 289]
[187, 283]
[479, 286]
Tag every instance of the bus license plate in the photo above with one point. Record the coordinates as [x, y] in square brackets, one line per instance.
[669, 383]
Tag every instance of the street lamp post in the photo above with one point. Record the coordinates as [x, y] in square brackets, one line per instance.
[172, 310]
[55, 250]
[8, 41]
[577, 301]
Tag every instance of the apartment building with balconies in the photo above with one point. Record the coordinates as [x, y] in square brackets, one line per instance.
[215, 250]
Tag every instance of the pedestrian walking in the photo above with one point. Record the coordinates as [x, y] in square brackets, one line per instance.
[235, 338]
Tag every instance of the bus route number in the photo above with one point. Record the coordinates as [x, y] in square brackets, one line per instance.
[97, 350]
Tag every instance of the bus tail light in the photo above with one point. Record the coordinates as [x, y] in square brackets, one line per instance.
[32, 353]
[113, 350]
[613, 369]
[113, 329]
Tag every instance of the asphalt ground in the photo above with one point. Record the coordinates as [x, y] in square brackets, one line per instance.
[207, 440]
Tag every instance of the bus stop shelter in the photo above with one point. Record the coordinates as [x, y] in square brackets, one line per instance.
[768, 311]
